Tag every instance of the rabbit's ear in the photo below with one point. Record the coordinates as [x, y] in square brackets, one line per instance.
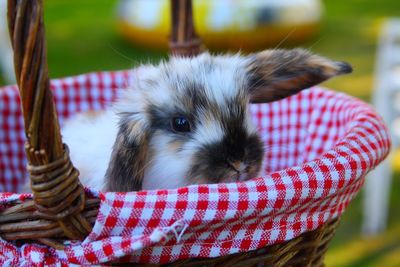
[276, 74]
[128, 159]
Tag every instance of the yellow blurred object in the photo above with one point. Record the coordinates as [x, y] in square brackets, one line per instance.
[396, 160]
[224, 24]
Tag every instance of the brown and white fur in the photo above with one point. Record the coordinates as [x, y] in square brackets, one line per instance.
[142, 149]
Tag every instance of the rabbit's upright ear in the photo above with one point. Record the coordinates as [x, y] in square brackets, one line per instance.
[276, 74]
[129, 158]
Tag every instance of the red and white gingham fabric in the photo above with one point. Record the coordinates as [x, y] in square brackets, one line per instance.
[319, 146]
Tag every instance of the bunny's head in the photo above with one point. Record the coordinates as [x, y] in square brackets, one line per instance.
[187, 120]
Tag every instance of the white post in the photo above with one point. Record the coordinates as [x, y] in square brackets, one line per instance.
[377, 187]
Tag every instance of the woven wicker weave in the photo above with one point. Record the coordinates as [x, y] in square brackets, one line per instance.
[59, 209]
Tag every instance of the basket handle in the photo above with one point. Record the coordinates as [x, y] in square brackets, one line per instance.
[183, 39]
[58, 195]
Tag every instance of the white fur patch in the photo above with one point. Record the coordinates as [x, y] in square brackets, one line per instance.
[209, 132]
[166, 169]
[249, 124]
[222, 82]
[90, 140]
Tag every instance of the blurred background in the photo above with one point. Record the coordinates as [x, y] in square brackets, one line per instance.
[92, 35]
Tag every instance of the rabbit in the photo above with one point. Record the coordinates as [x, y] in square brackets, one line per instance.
[186, 121]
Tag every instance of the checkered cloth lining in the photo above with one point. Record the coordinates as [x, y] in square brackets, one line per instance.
[319, 146]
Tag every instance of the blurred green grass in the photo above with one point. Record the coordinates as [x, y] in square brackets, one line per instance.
[82, 38]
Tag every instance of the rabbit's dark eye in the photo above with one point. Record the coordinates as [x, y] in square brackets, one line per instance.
[180, 124]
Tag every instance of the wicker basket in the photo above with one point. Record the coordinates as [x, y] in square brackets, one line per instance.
[292, 228]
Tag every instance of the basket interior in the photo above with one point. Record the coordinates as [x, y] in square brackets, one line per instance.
[295, 130]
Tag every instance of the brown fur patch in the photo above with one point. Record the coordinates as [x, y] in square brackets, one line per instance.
[128, 161]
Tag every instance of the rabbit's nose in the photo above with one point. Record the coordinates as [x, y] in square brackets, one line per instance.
[238, 166]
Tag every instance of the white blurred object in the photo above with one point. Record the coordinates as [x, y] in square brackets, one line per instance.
[386, 99]
[6, 54]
